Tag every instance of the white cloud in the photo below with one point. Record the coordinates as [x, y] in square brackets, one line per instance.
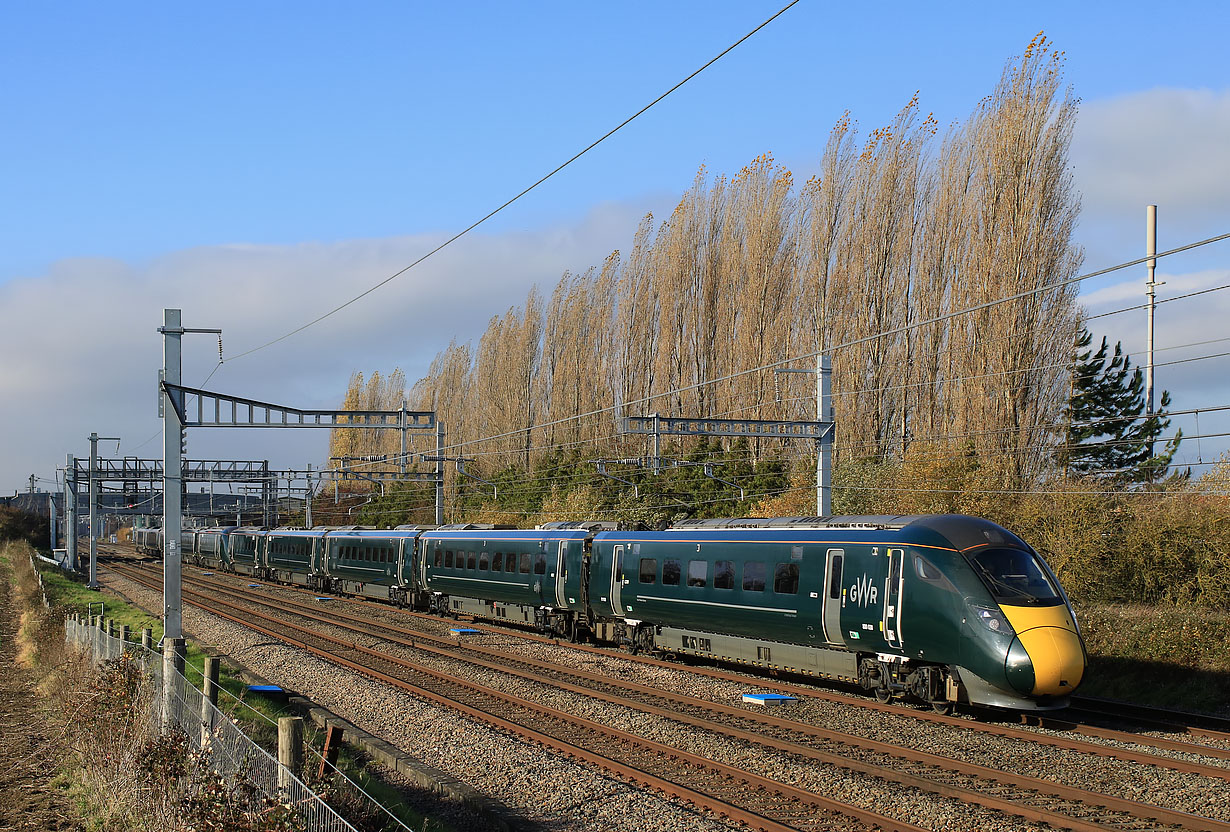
[1165, 146]
[82, 352]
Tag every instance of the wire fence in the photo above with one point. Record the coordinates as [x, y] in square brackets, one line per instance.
[231, 754]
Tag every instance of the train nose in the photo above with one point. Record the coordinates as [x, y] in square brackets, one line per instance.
[1045, 661]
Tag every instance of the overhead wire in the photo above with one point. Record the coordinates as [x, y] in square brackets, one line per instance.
[525, 191]
[861, 340]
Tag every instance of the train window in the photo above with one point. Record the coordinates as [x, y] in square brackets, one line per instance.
[786, 578]
[926, 569]
[540, 563]
[835, 576]
[525, 563]
[497, 562]
[670, 572]
[724, 574]
[438, 559]
[698, 572]
[448, 558]
[471, 560]
[649, 570]
[753, 576]
[484, 560]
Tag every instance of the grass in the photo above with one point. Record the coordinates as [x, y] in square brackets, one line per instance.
[1173, 657]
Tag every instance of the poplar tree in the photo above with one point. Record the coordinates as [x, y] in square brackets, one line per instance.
[1108, 434]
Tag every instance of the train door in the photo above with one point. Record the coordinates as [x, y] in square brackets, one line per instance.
[561, 574]
[892, 598]
[832, 590]
[617, 579]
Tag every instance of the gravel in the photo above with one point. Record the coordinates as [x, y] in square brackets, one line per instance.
[558, 794]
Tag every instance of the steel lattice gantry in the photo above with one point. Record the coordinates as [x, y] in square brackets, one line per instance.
[219, 410]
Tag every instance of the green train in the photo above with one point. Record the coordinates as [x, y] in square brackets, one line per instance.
[940, 608]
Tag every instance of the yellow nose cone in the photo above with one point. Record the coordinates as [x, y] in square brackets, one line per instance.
[1049, 636]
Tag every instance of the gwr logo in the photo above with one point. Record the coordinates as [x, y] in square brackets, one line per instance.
[863, 592]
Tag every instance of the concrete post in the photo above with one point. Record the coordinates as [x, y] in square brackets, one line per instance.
[172, 668]
[290, 749]
[209, 702]
[147, 638]
[123, 636]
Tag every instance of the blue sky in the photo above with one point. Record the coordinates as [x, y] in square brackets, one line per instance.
[151, 145]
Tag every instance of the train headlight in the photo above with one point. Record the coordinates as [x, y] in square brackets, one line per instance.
[993, 619]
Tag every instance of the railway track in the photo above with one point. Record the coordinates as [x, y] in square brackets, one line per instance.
[1031, 798]
[1081, 719]
[728, 791]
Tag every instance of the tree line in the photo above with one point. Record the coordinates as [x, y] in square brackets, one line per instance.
[862, 261]
[869, 261]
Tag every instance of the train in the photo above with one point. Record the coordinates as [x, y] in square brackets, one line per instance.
[941, 609]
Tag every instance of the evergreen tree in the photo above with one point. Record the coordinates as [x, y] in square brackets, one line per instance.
[1108, 434]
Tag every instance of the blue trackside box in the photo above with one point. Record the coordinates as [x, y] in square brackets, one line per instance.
[768, 698]
[463, 631]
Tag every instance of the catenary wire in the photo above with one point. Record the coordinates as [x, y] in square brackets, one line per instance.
[492, 213]
[865, 339]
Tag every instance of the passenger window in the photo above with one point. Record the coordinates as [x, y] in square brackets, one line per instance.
[437, 559]
[698, 572]
[497, 562]
[724, 574]
[786, 578]
[484, 560]
[670, 572]
[471, 560]
[540, 563]
[448, 558]
[525, 563]
[835, 578]
[753, 576]
[649, 570]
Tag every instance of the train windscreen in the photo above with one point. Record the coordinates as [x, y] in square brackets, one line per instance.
[1015, 577]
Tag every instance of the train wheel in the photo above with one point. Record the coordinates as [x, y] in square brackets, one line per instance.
[883, 695]
[942, 707]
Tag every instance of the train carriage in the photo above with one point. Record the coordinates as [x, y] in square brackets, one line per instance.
[291, 556]
[244, 552]
[531, 577]
[212, 547]
[374, 563]
[942, 607]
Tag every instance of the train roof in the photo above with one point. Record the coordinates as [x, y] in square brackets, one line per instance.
[862, 521]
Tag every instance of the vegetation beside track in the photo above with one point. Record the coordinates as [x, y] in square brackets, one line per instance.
[1170, 657]
[113, 771]
[256, 715]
